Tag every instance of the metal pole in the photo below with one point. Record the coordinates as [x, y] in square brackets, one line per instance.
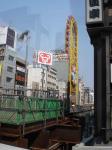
[108, 112]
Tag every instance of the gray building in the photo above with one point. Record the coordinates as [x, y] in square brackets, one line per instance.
[88, 96]
[61, 64]
[7, 57]
[8, 64]
[20, 74]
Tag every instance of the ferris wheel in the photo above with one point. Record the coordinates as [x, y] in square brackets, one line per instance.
[71, 48]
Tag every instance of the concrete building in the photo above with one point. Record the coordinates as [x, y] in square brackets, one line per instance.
[62, 87]
[36, 78]
[7, 57]
[92, 97]
[51, 78]
[42, 78]
[88, 96]
[20, 74]
[81, 91]
[60, 63]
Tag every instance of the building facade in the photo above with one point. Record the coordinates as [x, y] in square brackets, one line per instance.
[88, 96]
[60, 63]
[81, 92]
[7, 57]
[20, 74]
[51, 78]
[62, 87]
[45, 77]
[36, 78]
[41, 78]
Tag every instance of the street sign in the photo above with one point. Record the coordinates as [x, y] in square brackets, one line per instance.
[44, 58]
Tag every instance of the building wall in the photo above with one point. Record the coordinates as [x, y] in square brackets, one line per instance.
[8, 69]
[51, 78]
[35, 75]
[88, 95]
[62, 69]
[41, 78]
[8, 37]
[81, 92]
[62, 87]
[20, 74]
[7, 58]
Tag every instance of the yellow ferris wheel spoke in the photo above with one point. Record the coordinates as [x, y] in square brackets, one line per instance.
[71, 48]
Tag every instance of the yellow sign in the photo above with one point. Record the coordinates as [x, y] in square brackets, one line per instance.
[0, 69]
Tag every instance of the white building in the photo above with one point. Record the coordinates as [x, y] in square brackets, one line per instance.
[42, 78]
[92, 97]
[36, 78]
[51, 78]
[81, 92]
[7, 57]
[88, 96]
[62, 87]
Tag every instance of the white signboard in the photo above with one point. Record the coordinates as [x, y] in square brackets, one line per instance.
[3, 34]
[20, 69]
[94, 11]
[60, 57]
[44, 58]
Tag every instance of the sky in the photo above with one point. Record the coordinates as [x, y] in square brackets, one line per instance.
[46, 21]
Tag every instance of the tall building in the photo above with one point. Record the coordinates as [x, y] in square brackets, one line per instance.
[7, 57]
[36, 78]
[42, 78]
[61, 64]
[20, 74]
[51, 78]
[81, 91]
[88, 96]
[62, 87]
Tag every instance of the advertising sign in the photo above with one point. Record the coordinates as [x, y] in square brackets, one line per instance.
[21, 69]
[44, 58]
[94, 11]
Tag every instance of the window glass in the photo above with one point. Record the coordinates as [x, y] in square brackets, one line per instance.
[10, 69]
[8, 79]
[11, 58]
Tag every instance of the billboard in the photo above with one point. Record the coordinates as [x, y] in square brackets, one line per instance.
[94, 11]
[44, 58]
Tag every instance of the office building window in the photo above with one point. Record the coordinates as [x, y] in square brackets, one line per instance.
[8, 79]
[10, 37]
[11, 58]
[94, 13]
[1, 58]
[9, 69]
[93, 3]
